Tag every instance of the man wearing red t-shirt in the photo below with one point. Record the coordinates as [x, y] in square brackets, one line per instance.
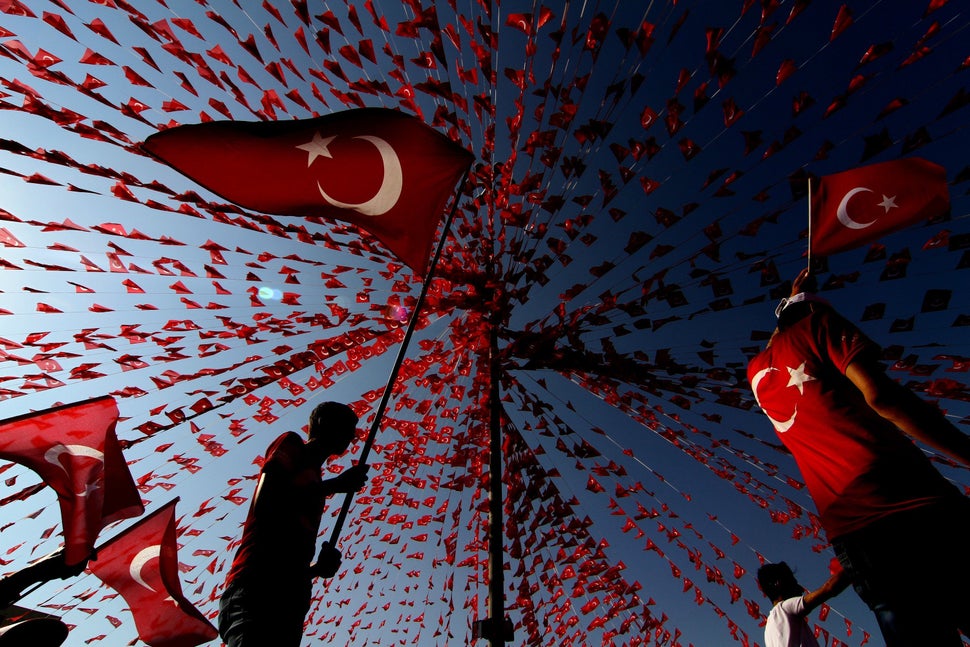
[268, 588]
[898, 527]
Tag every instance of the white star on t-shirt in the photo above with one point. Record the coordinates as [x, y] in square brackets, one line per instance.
[798, 377]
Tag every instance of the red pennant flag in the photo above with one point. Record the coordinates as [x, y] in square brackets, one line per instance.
[858, 206]
[142, 565]
[381, 169]
[73, 448]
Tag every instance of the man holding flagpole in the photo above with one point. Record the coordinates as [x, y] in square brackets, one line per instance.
[897, 525]
[268, 588]
[51, 567]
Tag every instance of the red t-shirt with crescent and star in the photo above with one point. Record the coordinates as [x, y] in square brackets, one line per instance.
[857, 465]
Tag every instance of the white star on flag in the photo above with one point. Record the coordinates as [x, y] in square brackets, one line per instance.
[912, 190]
[798, 377]
[317, 147]
[888, 203]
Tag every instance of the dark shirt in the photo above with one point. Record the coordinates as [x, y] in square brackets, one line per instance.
[279, 537]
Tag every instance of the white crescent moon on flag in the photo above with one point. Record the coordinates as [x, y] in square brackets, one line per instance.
[53, 456]
[780, 426]
[387, 196]
[843, 212]
[139, 561]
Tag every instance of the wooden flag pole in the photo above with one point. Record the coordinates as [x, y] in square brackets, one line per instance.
[412, 324]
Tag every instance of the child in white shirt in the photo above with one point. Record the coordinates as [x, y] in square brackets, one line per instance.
[786, 626]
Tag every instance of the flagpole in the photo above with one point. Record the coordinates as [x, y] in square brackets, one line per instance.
[32, 582]
[69, 405]
[412, 324]
[809, 223]
[496, 633]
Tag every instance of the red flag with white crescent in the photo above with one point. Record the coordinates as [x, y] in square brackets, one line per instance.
[141, 564]
[383, 170]
[860, 205]
[73, 448]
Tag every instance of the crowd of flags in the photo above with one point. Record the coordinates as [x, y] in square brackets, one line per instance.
[261, 166]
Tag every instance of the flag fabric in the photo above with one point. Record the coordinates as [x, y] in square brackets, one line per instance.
[141, 564]
[73, 448]
[380, 169]
[860, 205]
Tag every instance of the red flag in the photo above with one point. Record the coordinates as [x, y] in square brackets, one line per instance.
[75, 451]
[381, 169]
[858, 206]
[142, 565]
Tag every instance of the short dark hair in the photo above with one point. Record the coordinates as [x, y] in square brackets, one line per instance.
[776, 580]
[334, 419]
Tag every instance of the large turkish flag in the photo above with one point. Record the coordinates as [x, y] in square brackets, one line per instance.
[381, 169]
[858, 206]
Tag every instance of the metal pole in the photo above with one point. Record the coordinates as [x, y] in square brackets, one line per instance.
[402, 352]
[496, 552]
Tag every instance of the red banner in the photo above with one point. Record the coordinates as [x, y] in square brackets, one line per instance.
[75, 451]
[858, 206]
[385, 171]
[141, 564]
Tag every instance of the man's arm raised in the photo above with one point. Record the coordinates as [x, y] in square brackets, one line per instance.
[910, 413]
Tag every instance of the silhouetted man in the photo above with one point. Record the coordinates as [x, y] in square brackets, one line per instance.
[898, 527]
[20, 626]
[268, 588]
[51, 567]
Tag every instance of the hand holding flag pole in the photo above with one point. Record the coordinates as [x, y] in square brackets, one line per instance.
[141, 564]
[53, 566]
[296, 167]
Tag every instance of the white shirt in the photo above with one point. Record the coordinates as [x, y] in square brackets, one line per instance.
[786, 626]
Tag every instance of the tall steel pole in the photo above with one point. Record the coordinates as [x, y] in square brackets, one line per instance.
[496, 552]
